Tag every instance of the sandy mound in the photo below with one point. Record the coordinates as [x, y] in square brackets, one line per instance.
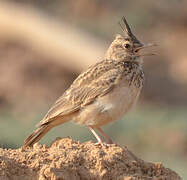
[71, 160]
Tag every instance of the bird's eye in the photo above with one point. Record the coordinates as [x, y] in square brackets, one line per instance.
[127, 46]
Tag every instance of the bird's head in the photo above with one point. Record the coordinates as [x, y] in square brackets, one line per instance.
[127, 45]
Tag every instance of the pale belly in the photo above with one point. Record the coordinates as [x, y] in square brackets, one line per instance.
[111, 107]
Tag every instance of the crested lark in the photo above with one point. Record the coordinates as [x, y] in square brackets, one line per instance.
[102, 94]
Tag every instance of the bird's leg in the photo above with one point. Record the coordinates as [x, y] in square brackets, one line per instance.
[108, 139]
[100, 141]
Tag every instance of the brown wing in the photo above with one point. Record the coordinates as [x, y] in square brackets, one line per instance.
[96, 81]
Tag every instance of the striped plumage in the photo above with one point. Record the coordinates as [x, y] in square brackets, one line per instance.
[103, 93]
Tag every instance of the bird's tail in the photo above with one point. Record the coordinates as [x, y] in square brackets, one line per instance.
[37, 134]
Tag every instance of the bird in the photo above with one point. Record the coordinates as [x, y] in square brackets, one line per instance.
[104, 93]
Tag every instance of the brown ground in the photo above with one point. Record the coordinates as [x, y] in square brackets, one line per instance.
[67, 159]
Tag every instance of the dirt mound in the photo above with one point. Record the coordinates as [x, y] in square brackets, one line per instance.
[67, 159]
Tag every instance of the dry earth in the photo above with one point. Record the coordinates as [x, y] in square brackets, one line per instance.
[67, 159]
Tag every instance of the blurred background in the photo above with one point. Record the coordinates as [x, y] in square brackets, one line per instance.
[45, 44]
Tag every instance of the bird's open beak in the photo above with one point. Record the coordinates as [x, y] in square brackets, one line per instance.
[144, 45]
